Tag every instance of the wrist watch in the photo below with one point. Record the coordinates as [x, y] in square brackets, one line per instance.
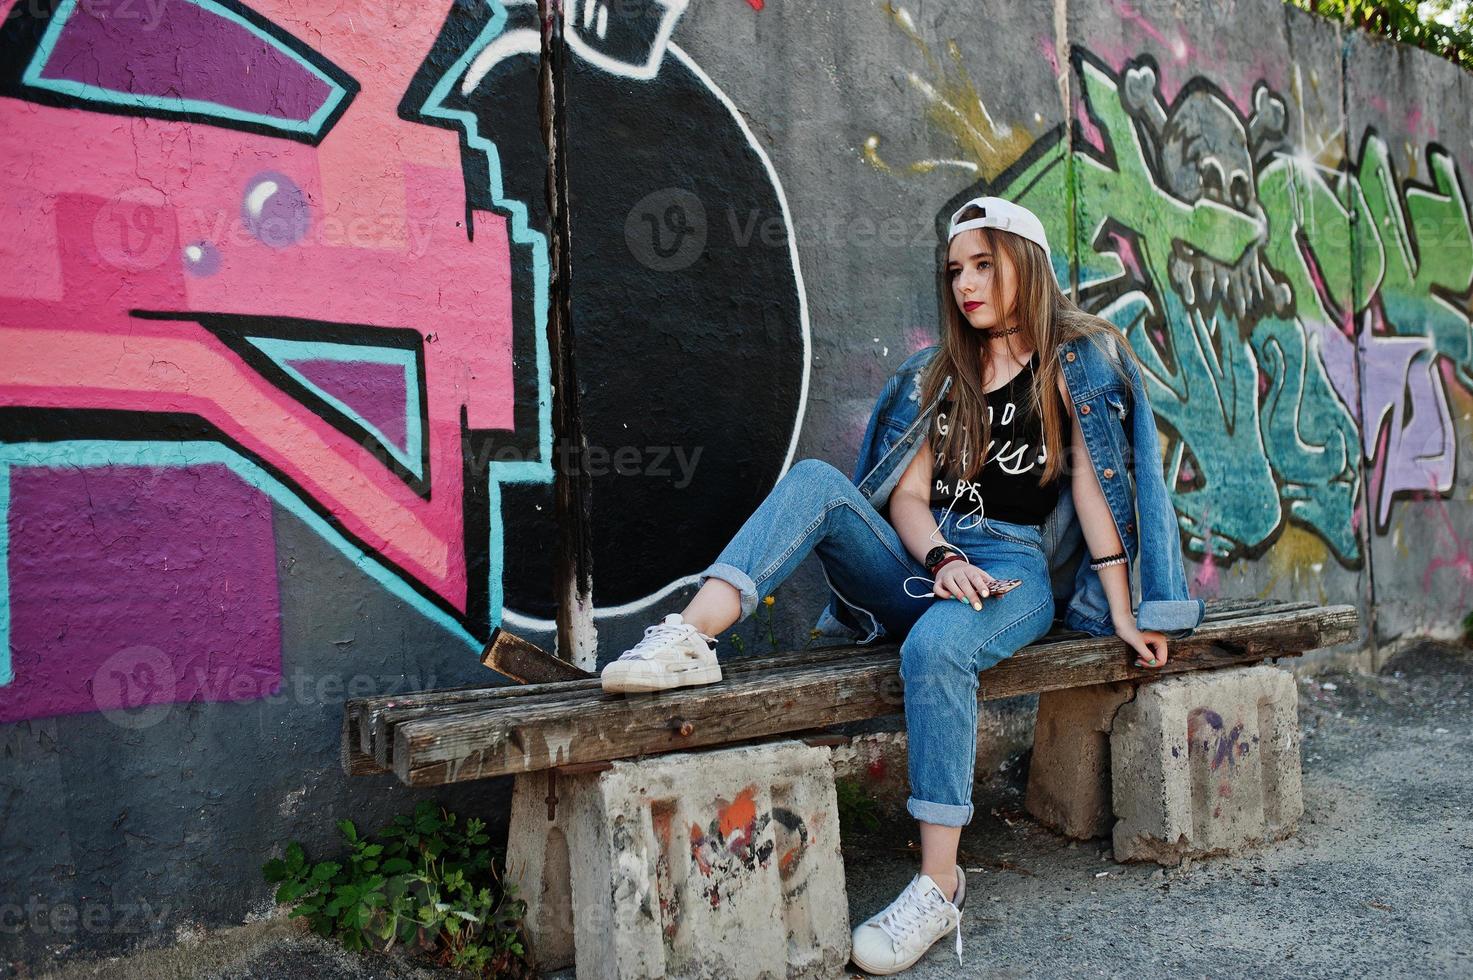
[937, 553]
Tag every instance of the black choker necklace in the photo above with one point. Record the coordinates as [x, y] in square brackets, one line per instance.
[990, 333]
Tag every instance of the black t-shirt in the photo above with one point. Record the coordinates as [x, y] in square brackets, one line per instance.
[1007, 485]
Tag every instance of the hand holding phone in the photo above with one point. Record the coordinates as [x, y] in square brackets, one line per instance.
[999, 586]
[955, 588]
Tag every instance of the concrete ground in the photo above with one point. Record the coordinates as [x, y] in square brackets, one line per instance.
[1376, 882]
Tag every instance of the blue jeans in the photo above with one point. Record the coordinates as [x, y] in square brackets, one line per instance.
[815, 507]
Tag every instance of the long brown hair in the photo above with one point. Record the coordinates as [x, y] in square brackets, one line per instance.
[1048, 318]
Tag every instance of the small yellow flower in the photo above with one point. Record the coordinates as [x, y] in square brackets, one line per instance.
[769, 600]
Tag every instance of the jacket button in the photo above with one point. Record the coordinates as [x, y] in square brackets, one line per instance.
[1069, 356]
[1130, 528]
[1083, 409]
[1109, 472]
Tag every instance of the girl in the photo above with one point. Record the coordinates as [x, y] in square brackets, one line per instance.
[963, 521]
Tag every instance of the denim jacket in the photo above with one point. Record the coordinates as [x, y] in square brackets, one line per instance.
[1119, 428]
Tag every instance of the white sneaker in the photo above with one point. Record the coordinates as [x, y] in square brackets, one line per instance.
[895, 938]
[673, 653]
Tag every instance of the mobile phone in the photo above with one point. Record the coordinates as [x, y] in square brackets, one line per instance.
[999, 586]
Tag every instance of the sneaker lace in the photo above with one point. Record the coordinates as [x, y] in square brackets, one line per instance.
[903, 919]
[655, 637]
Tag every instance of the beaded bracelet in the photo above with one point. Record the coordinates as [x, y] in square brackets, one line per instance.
[1118, 558]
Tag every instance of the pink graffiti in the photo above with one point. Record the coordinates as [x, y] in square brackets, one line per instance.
[1407, 450]
[1399, 398]
[1177, 59]
[117, 202]
[1208, 580]
[1460, 562]
[1088, 131]
[1048, 47]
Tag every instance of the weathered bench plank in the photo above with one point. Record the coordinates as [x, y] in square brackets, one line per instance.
[444, 737]
[374, 717]
[372, 714]
[367, 722]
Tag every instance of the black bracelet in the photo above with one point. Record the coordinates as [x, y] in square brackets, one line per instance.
[1115, 559]
[937, 553]
[936, 568]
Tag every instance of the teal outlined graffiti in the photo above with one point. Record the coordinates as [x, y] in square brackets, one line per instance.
[1293, 318]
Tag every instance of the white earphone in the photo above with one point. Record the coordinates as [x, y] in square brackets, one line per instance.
[960, 527]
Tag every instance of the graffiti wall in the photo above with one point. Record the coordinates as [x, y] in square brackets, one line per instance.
[230, 292]
[232, 295]
[267, 315]
[275, 389]
[276, 400]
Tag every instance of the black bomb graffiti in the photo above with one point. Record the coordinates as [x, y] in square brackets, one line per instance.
[691, 335]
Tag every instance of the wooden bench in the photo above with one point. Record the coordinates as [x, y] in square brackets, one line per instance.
[571, 731]
[437, 737]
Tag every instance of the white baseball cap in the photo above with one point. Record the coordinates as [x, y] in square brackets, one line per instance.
[1002, 214]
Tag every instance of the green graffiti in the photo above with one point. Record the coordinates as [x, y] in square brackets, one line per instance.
[1418, 260]
[1290, 316]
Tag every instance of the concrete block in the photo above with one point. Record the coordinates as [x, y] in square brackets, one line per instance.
[696, 864]
[1069, 772]
[877, 763]
[1206, 763]
[878, 760]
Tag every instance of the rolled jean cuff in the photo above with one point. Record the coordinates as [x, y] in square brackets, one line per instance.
[945, 814]
[736, 578]
[1173, 618]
